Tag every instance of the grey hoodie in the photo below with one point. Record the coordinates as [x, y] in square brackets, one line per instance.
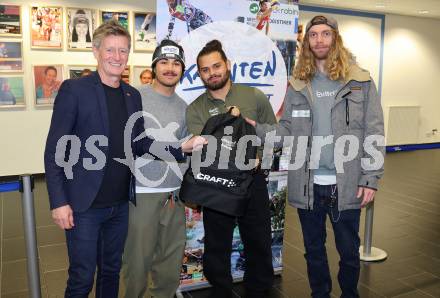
[165, 122]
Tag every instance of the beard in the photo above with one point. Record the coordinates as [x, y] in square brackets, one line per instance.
[324, 52]
[321, 55]
[218, 85]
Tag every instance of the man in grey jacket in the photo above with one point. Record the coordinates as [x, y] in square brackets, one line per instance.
[333, 123]
[156, 232]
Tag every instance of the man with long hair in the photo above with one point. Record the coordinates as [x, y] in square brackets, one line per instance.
[330, 99]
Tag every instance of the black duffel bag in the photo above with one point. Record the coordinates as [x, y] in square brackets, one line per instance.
[222, 186]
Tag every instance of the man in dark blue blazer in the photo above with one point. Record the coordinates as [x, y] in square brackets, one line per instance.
[89, 163]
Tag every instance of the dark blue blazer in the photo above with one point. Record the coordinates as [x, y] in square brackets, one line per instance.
[80, 109]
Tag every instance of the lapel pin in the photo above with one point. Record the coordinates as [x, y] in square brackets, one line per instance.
[128, 94]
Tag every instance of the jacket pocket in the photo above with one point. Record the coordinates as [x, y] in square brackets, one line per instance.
[354, 111]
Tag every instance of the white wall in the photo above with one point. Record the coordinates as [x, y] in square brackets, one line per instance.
[24, 131]
[411, 70]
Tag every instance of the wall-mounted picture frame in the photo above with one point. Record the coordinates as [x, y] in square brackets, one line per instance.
[11, 56]
[126, 75]
[120, 16]
[77, 71]
[47, 82]
[141, 75]
[46, 24]
[80, 25]
[144, 31]
[10, 20]
[12, 93]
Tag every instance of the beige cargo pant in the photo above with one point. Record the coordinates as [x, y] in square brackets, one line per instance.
[154, 247]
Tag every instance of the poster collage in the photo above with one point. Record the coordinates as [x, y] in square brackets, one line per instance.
[50, 28]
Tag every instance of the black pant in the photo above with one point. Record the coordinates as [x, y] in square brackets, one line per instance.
[346, 229]
[255, 232]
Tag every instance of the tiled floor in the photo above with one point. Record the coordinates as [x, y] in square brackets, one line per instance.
[406, 225]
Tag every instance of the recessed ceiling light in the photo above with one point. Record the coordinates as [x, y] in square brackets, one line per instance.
[380, 5]
[423, 11]
[329, 0]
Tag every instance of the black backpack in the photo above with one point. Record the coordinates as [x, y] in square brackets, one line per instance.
[227, 189]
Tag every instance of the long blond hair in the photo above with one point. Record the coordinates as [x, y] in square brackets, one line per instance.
[337, 65]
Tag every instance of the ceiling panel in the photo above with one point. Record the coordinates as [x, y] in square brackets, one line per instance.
[419, 8]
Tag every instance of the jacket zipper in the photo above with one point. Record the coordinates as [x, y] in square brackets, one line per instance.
[307, 186]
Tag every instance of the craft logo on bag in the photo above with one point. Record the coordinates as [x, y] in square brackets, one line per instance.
[255, 60]
[225, 182]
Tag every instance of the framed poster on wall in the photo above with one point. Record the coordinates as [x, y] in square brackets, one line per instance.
[46, 24]
[120, 16]
[144, 31]
[77, 71]
[80, 25]
[11, 56]
[47, 82]
[11, 92]
[10, 20]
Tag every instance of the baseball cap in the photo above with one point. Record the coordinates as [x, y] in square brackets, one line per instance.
[320, 19]
[168, 49]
